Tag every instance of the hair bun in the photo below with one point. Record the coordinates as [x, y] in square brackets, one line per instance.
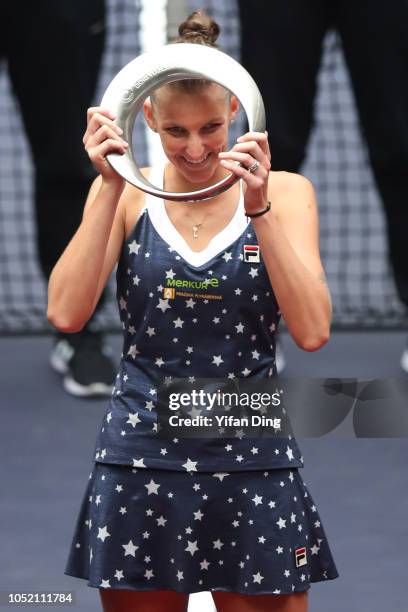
[199, 28]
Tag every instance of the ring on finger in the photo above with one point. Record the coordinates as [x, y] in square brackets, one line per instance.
[253, 167]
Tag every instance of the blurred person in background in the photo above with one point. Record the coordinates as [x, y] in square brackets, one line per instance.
[281, 46]
[53, 49]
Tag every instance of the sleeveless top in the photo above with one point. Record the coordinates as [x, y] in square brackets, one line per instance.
[176, 327]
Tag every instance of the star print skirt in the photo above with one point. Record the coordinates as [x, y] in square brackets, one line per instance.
[253, 532]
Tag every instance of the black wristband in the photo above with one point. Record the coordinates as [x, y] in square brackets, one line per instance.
[261, 212]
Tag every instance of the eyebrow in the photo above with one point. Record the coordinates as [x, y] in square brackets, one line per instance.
[170, 123]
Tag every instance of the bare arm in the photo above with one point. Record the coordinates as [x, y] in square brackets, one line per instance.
[289, 241]
[74, 287]
[83, 269]
[288, 237]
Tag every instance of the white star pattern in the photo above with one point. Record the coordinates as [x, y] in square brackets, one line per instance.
[224, 329]
[103, 533]
[217, 359]
[134, 247]
[258, 578]
[152, 487]
[163, 305]
[218, 544]
[133, 419]
[281, 523]
[192, 547]
[130, 548]
[133, 351]
[220, 475]
[289, 453]
[190, 466]
[170, 274]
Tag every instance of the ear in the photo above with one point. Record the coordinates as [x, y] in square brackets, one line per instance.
[148, 113]
[234, 107]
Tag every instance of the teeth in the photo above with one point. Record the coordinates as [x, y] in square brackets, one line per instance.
[200, 161]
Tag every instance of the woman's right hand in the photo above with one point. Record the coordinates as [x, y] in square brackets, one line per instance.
[103, 136]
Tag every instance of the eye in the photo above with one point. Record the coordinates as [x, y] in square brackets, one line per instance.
[175, 130]
[211, 127]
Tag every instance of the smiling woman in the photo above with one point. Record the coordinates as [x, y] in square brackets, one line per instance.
[160, 516]
[193, 126]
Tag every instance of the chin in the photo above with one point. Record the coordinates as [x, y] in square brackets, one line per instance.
[199, 175]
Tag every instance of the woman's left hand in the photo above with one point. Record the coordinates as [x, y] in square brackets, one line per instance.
[250, 148]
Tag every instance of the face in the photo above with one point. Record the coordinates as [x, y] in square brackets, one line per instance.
[193, 128]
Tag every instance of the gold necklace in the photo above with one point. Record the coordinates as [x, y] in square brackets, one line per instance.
[197, 226]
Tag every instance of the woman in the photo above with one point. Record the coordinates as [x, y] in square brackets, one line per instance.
[162, 518]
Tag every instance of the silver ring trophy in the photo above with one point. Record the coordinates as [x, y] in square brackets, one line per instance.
[174, 62]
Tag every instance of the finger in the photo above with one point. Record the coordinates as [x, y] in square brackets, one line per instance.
[252, 180]
[254, 149]
[103, 133]
[260, 137]
[95, 124]
[245, 159]
[97, 120]
[98, 109]
[267, 145]
[108, 146]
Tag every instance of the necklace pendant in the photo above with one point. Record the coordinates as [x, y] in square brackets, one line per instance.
[195, 230]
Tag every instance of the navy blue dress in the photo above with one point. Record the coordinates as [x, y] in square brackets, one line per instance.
[194, 514]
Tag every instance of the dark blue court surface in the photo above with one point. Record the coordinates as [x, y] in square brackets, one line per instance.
[359, 485]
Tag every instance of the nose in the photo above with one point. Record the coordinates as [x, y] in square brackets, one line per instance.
[195, 146]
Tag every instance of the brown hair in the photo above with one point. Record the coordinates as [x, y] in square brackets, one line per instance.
[199, 28]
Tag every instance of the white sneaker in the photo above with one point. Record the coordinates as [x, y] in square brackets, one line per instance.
[279, 357]
[404, 360]
[85, 363]
[60, 356]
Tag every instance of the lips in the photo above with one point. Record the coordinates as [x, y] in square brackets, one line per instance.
[196, 163]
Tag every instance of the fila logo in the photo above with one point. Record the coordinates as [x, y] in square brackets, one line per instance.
[251, 253]
[300, 556]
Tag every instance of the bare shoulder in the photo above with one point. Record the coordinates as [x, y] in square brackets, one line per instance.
[133, 200]
[288, 189]
[132, 193]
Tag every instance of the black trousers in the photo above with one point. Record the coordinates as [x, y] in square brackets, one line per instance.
[282, 47]
[54, 50]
